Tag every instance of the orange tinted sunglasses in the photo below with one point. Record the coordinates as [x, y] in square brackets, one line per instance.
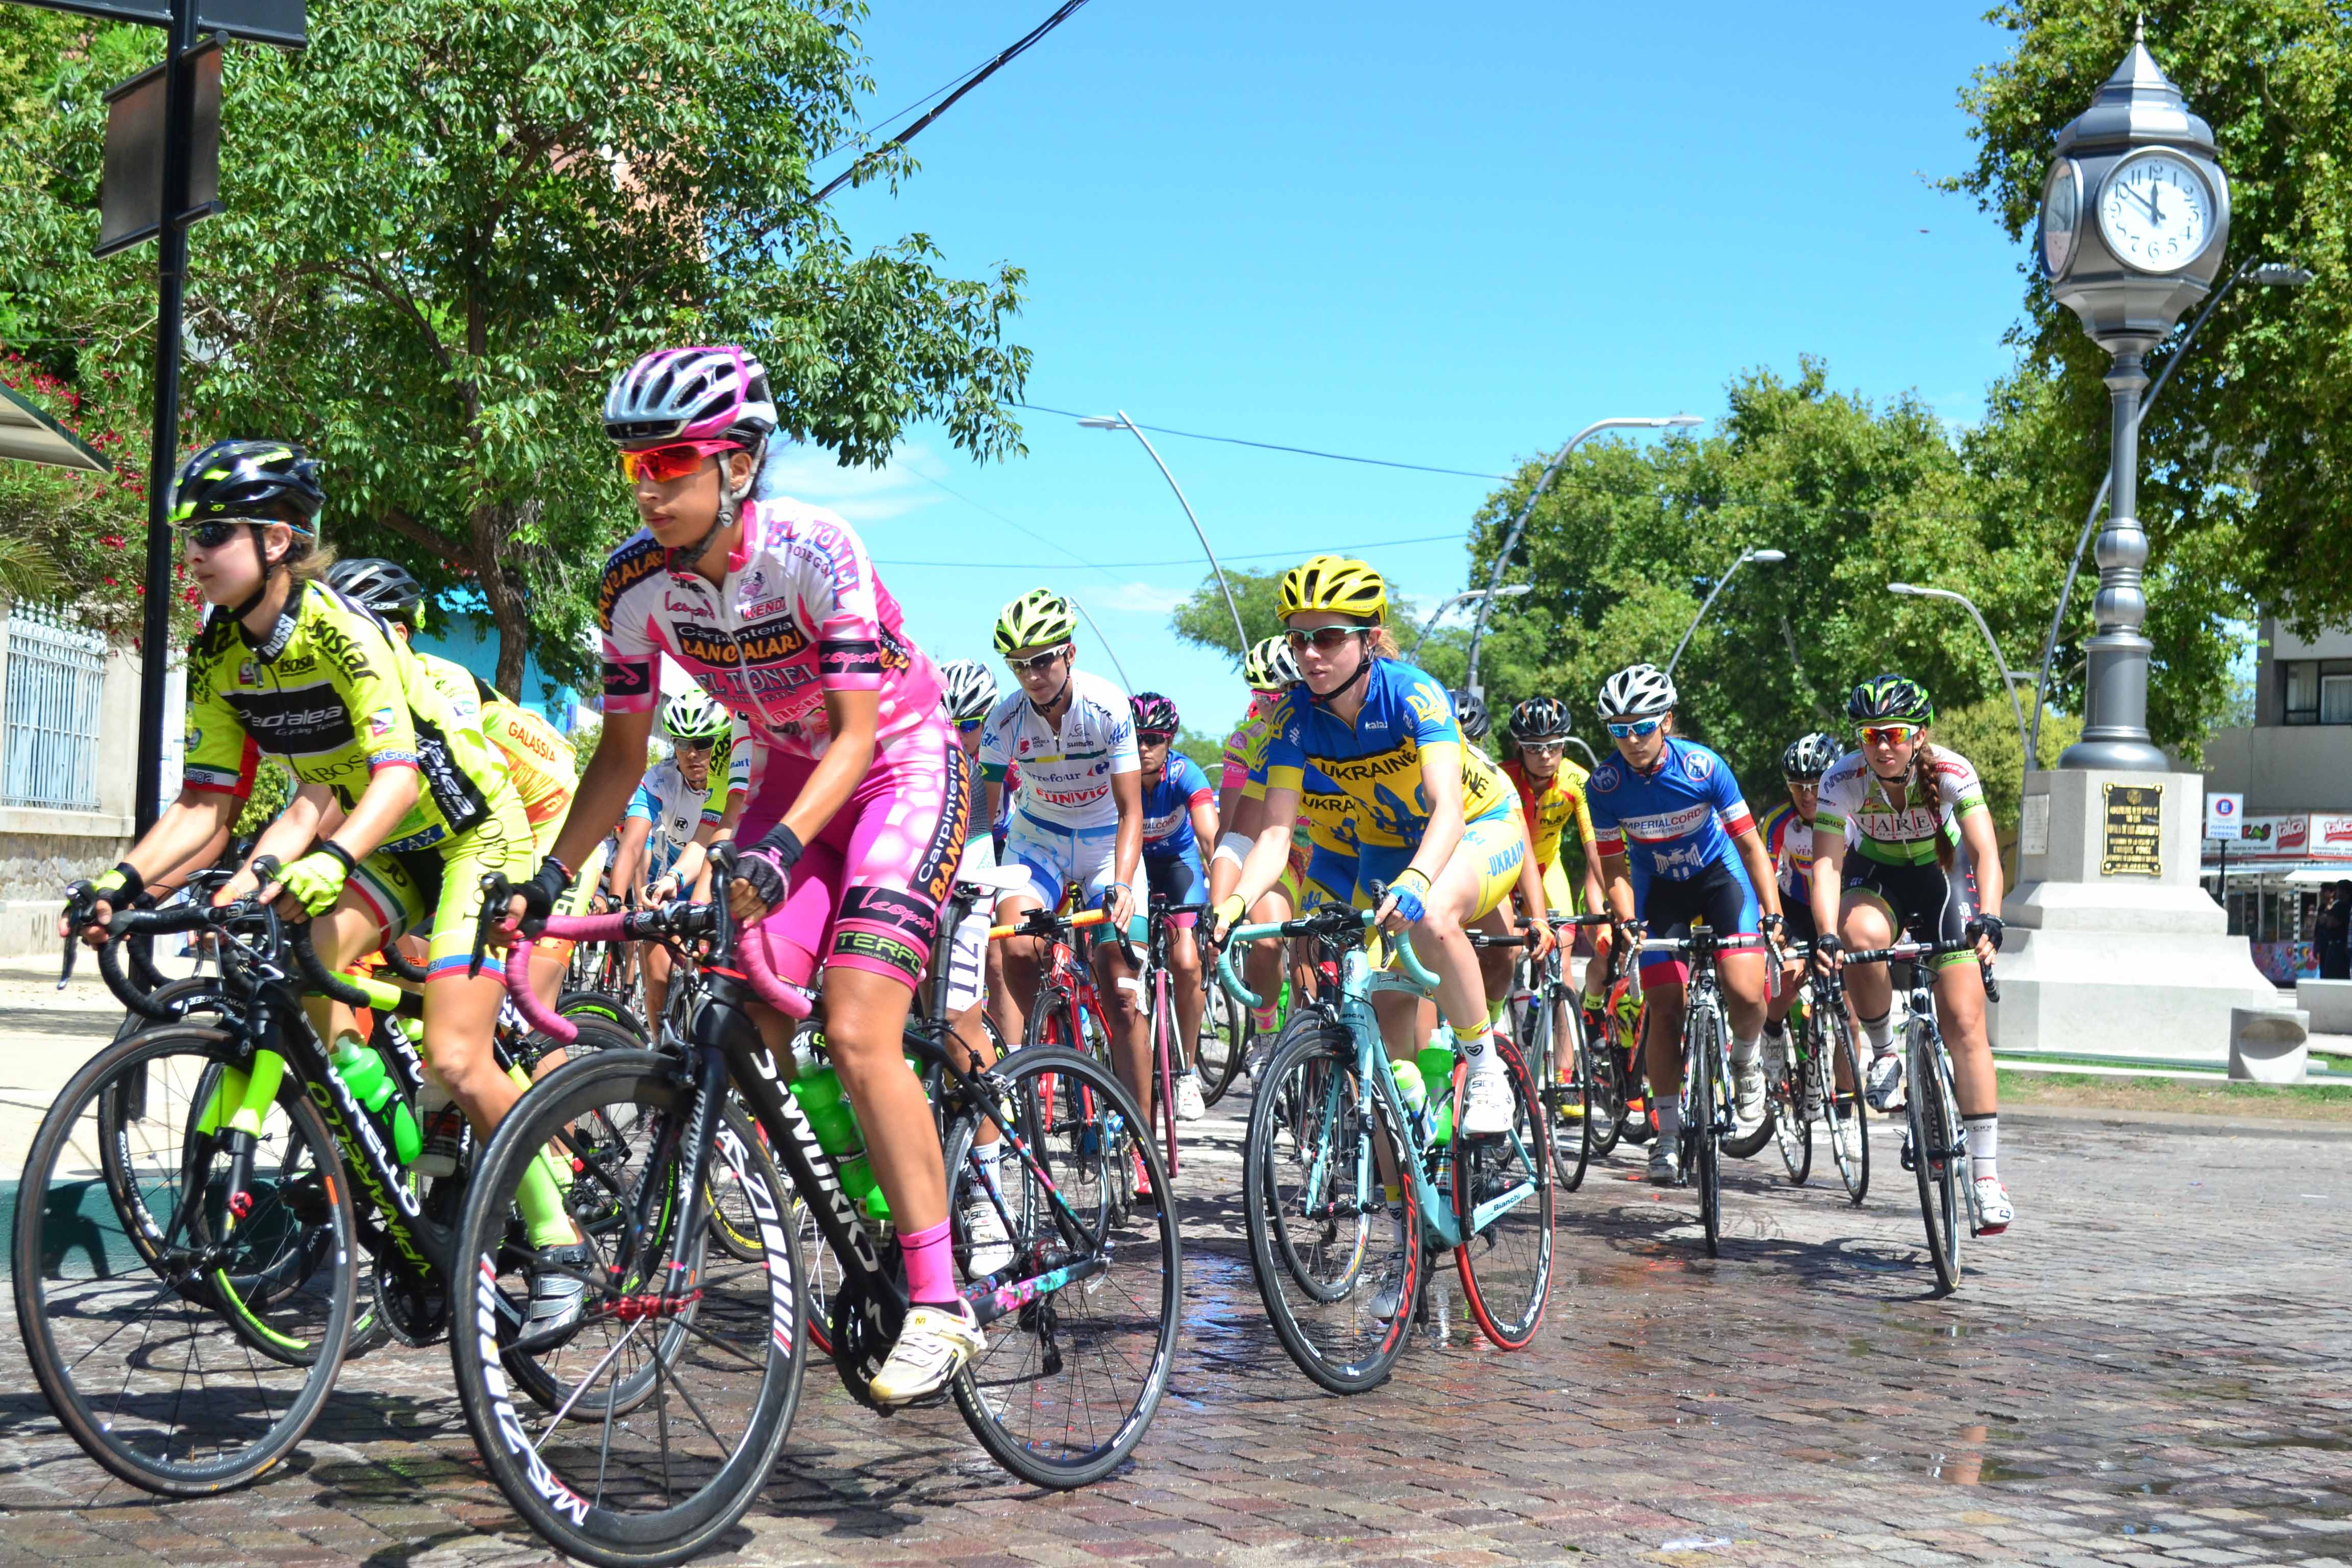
[1887, 734]
[664, 464]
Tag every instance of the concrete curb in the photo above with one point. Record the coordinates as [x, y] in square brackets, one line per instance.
[2181, 1122]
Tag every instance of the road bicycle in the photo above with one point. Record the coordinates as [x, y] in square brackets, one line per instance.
[210, 1219]
[1339, 1261]
[1226, 1035]
[1706, 1099]
[1935, 1138]
[1158, 994]
[1576, 1088]
[1081, 1325]
[1067, 1010]
[1816, 1082]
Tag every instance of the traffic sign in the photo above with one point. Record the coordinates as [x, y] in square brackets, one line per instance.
[279, 22]
[2225, 816]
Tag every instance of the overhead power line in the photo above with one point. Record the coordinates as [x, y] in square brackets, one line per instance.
[1275, 447]
[1063, 13]
[1291, 554]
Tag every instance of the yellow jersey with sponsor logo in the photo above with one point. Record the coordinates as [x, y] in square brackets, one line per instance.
[1361, 783]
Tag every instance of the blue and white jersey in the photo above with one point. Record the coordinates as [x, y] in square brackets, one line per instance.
[1065, 769]
[677, 810]
[1672, 823]
[1168, 807]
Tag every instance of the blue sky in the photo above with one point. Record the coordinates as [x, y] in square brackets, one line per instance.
[1354, 227]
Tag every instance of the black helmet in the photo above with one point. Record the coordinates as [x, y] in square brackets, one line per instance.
[1154, 714]
[1470, 713]
[241, 478]
[1890, 699]
[1811, 756]
[1539, 718]
[383, 586]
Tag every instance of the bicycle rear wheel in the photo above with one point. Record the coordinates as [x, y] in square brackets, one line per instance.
[1503, 1199]
[1338, 1266]
[1845, 1114]
[1792, 1123]
[720, 1362]
[185, 1349]
[1224, 1038]
[1707, 1032]
[1934, 1157]
[1082, 1332]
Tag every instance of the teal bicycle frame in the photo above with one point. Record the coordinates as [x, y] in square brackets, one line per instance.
[1358, 982]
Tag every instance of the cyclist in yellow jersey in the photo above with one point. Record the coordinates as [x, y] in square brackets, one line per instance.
[1270, 670]
[1560, 825]
[1366, 747]
[415, 802]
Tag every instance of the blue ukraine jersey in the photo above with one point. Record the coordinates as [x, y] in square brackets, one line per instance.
[1674, 823]
[1361, 782]
[1168, 807]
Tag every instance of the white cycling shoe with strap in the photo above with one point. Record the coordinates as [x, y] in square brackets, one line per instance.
[933, 1345]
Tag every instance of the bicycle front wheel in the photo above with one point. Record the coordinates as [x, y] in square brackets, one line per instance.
[1936, 1156]
[1706, 1162]
[714, 1346]
[1081, 1325]
[1337, 1265]
[1563, 1090]
[1837, 1073]
[143, 1297]
[1503, 1199]
[1225, 1036]
[1791, 1112]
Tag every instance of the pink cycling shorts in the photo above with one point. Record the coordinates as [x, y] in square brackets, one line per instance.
[869, 887]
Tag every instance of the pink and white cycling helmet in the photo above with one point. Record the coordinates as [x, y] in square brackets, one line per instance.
[669, 396]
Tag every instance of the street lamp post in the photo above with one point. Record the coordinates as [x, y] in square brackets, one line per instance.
[1098, 421]
[1514, 591]
[2008, 681]
[2265, 274]
[1767, 557]
[1115, 664]
[1543, 482]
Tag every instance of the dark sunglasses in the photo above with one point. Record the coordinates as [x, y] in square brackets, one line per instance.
[1035, 661]
[1327, 640]
[1634, 728]
[1154, 737]
[694, 745]
[215, 532]
[966, 726]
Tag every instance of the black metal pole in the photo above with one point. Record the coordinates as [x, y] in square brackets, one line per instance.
[171, 272]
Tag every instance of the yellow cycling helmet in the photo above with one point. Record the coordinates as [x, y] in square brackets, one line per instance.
[1335, 583]
[1038, 618]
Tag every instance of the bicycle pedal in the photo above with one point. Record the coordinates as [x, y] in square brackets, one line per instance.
[1909, 1164]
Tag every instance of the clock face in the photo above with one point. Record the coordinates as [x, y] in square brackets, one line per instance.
[2155, 211]
[2062, 209]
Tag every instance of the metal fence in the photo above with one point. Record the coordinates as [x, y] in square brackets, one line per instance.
[56, 672]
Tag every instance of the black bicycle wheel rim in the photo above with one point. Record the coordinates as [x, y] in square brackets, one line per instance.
[1792, 1128]
[1034, 1396]
[1931, 1128]
[1845, 1112]
[1219, 1064]
[1710, 1177]
[739, 1339]
[1568, 1107]
[1334, 1343]
[1506, 1268]
[252, 1413]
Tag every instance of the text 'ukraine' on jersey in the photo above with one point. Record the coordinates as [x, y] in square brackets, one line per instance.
[1361, 783]
[1066, 770]
[1671, 823]
[332, 693]
[1856, 802]
[1168, 807]
[798, 614]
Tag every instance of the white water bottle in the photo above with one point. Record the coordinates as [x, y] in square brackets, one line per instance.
[440, 1119]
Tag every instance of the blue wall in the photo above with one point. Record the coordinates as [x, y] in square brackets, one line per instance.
[471, 640]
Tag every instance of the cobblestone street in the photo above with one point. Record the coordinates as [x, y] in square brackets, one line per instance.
[2153, 1367]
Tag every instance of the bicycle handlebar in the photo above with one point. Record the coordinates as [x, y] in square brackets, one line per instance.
[1316, 923]
[1043, 921]
[1904, 951]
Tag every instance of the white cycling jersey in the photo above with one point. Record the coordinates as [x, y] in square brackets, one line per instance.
[677, 810]
[1065, 775]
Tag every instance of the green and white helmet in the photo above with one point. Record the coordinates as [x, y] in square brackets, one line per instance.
[1890, 699]
[693, 715]
[1038, 618]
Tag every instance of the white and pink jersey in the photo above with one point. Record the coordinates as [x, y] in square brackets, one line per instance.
[800, 612]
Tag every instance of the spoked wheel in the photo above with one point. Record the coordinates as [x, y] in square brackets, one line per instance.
[1224, 1040]
[1705, 1164]
[185, 1348]
[1503, 1200]
[1936, 1160]
[1791, 1116]
[1604, 1089]
[678, 1377]
[1845, 1114]
[1563, 1090]
[1164, 1064]
[1081, 1321]
[1337, 1264]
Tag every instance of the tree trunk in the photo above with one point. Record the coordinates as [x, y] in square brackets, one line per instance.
[505, 596]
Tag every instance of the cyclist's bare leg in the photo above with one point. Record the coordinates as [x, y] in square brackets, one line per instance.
[864, 1022]
[1741, 976]
[1495, 964]
[656, 969]
[1021, 961]
[1662, 1040]
[1262, 963]
[1865, 922]
[1441, 943]
[1960, 1015]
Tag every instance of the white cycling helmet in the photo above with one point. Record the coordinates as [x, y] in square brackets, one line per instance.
[971, 689]
[693, 715]
[1636, 693]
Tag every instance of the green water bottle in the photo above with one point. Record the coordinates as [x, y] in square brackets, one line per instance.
[1436, 1063]
[837, 1132]
[363, 1071]
[1409, 1087]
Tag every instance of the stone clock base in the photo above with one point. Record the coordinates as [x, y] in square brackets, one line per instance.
[2113, 949]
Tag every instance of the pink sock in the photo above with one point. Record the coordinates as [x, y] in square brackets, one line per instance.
[931, 1266]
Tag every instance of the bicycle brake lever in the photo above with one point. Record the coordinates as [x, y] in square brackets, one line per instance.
[495, 890]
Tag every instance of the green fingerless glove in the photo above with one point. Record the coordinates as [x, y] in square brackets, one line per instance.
[316, 881]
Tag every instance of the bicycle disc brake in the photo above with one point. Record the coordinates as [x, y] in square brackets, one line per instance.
[863, 1327]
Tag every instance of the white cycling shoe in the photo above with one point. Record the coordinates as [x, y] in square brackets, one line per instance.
[1748, 1092]
[1389, 1297]
[932, 1347]
[1190, 1106]
[983, 1231]
[1666, 1163]
[1994, 1206]
[1487, 1104]
[1883, 1082]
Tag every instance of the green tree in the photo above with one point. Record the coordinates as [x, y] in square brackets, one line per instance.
[2247, 459]
[449, 222]
[1206, 621]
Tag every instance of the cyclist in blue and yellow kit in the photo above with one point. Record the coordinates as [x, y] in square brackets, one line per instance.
[1678, 845]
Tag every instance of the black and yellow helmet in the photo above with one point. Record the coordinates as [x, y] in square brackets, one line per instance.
[1038, 618]
[1890, 699]
[1335, 583]
[239, 479]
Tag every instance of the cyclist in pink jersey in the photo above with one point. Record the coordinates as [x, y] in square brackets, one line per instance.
[859, 795]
